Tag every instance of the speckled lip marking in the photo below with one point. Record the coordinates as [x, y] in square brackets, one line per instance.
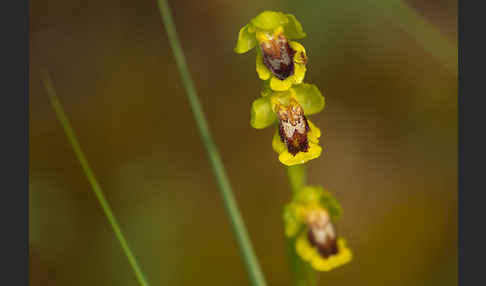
[278, 57]
[293, 128]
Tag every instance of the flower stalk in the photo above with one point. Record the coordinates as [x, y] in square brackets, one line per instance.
[297, 177]
[301, 271]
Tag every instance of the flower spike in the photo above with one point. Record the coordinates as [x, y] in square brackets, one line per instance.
[287, 102]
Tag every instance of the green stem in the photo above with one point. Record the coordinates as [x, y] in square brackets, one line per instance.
[68, 130]
[302, 272]
[246, 250]
[297, 177]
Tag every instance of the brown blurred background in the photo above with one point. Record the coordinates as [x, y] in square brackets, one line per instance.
[390, 139]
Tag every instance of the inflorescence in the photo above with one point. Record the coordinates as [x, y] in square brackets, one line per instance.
[287, 101]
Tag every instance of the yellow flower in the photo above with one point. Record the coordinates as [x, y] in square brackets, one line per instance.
[309, 224]
[279, 60]
[296, 139]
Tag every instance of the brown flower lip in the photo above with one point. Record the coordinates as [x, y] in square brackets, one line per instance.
[321, 233]
[278, 57]
[293, 128]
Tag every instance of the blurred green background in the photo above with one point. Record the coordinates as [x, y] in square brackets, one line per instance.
[390, 142]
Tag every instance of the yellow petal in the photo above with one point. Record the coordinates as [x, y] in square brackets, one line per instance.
[293, 28]
[310, 254]
[299, 73]
[343, 256]
[309, 97]
[299, 51]
[314, 132]
[302, 157]
[261, 113]
[304, 249]
[269, 20]
[277, 144]
[263, 72]
[280, 85]
[246, 40]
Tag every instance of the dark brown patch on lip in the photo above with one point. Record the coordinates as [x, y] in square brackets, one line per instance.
[293, 128]
[298, 142]
[325, 249]
[278, 57]
[321, 233]
[303, 57]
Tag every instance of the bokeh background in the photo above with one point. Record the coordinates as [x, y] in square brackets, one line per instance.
[390, 141]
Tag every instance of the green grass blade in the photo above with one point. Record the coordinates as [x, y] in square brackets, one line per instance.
[249, 257]
[68, 130]
[425, 33]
